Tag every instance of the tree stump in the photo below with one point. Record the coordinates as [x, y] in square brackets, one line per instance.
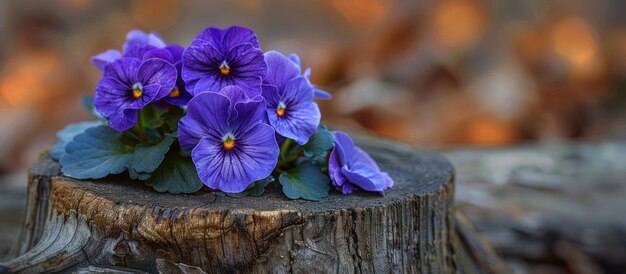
[117, 225]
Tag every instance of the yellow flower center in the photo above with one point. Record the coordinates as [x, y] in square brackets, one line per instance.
[229, 143]
[175, 92]
[137, 91]
[224, 68]
[280, 110]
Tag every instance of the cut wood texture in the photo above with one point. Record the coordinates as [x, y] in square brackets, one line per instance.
[120, 226]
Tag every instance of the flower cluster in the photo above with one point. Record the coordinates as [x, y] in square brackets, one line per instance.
[220, 112]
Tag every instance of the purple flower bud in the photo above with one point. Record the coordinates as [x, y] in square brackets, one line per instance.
[349, 166]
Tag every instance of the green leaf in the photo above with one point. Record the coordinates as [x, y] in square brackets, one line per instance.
[101, 151]
[258, 188]
[176, 175]
[151, 117]
[96, 153]
[147, 158]
[305, 182]
[67, 134]
[138, 175]
[87, 102]
[319, 144]
[171, 117]
[255, 189]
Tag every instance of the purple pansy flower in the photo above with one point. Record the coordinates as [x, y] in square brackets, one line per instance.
[178, 96]
[222, 57]
[129, 84]
[350, 166]
[229, 141]
[136, 45]
[144, 46]
[322, 94]
[289, 99]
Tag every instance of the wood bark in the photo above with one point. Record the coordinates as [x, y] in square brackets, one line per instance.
[116, 225]
[548, 206]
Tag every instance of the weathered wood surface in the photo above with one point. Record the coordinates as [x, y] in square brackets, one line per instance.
[551, 208]
[119, 225]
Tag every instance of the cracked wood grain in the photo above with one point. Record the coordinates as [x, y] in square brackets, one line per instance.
[118, 224]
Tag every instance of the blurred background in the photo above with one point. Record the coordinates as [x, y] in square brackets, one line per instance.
[504, 88]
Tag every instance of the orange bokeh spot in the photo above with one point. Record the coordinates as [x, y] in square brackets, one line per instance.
[574, 40]
[459, 23]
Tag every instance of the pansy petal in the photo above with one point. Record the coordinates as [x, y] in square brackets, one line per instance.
[334, 168]
[176, 51]
[137, 51]
[111, 101]
[201, 55]
[246, 61]
[227, 38]
[201, 61]
[347, 188]
[103, 59]
[365, 178]
[250, 86]
[138, 37]
[260, 147]
[183, 96]
[270, 93]
[363, 171]
[191, 131]
[181, 100]
[123, 120]
[280, 69]
[212, 84]
[346, 145]
[247, 113]
[253, 158]
[123, 69]
[209, 156]
[135, 37]
[212, 35]
[160, 54]
[236, 35]
[149, 94]
[234, 93]
[298, 91]
[350, 165]
[247, 64]
[297, 124]
[207, 115]
[158, 72]
[322, 94]
[295, 58]
[111, 95]
[154, 39]
[388, 180]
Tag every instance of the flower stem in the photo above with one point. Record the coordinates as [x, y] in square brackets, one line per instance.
[141, 130]
[285, 147]
[288, 154]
